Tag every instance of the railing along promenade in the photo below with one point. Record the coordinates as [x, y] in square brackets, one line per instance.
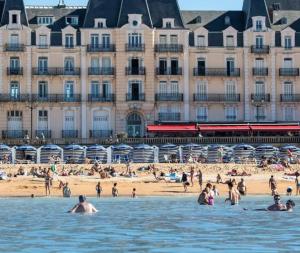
[162, 140]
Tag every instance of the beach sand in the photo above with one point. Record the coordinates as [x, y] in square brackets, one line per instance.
[145, 183]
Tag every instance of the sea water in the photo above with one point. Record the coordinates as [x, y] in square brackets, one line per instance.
[149, 224]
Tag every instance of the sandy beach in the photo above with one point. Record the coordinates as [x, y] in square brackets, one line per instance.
[145, 183]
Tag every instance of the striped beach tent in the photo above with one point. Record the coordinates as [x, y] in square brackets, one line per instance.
[48, 151]
[143, 154]
[26, 152]
[97, 153]
[74, 154]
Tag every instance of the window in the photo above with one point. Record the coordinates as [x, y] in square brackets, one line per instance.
[69, 89]
[288, 88]
[43, 64]
[100, 25]
[69, 121]
[95, 62]
[260, 88]
[289, 113]
[230, 88]
[288, 63]
[202, 113]
[45, 20]
[106, 40]
[95, 40]
[201, 41]
[198, 20]
[43, 41]
[69, 64]
[259, 41]
[174, 87]
[284, 21]
[276, 6]
[43, 89]
[163, 39]
[14, 63]
[287, 42]
[227, 20]
[72, 20]
[14, 121]
[230, 41]
[258, 25]
[14, 39]
[168, 25]
[106, 89]
[201, 88]
[43, 120]
[14, 19]
[69, 41]
[135, 23]
[163, 88]
[259, 63]
[135, 39]
[231, 113]
[174, 39]
[14, 89]
[95, 91]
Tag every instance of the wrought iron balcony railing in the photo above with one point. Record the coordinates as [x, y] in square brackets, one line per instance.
[101, 71]
[14, 98]
[168, 116]
[56, 98]
[14, 71]
[101, 97]
[56, 71]
[135, 47]
[290, 98]
[43, 134]
[69, 134]
[135, 97]
[173, 48]
[101, 48]
[289, 72]
[14, 47]
[260, 71]
[169, 97]
[14, 134]
[169, 71]
[260, 98]
[231, 72]
[223, 98]
[256, 49]
[100, 133]
[135, 71]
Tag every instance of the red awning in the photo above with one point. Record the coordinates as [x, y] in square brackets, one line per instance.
[172, 128]
[224, 128]
[275, 128]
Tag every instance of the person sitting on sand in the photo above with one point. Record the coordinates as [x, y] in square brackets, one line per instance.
[66, 191]
[242, 187]
[234, 195]
[83, 206]
[114, 191]
[277, 206]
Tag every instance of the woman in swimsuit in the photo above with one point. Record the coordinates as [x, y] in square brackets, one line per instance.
[47, 183]
[114, 191]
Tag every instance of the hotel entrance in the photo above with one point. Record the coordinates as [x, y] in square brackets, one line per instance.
[135, 125]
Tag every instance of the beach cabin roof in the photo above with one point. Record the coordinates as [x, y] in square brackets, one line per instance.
[143, 146]
[50, 147]
[25, 148]
[96, 148]
[73, 147]
[4, 147]
[121, 147]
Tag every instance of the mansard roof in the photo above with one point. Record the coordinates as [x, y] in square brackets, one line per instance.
[10, 5]
[116, 12]
[254, 8]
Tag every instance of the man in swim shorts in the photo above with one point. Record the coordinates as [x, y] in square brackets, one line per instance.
[83, 206]
[278, 206]
[234, 195]
[242, 187]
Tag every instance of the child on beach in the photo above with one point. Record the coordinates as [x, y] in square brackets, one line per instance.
[98, 190]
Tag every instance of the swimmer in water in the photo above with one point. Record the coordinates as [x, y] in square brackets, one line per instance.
[234, 195]
[278, 206]
[83, 206]
[290, 204]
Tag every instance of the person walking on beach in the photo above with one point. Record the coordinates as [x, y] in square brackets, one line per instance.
[133, 195]
[114, 191]
[273, 185]
[185, 182]
[98, 190]
[192, 172]
[200, 179]
[242, 187]
[297, 181]
[234, 195]
[66, 191]
[48, 183]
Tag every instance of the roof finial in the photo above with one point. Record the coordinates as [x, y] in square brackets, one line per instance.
[61, 4]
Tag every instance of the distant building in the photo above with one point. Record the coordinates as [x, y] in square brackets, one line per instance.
[121, 65]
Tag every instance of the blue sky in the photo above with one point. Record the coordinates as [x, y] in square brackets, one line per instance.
[185, 4]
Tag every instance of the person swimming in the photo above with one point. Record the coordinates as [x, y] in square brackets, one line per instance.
[288, 207]
[234, 195]
[83, 206]
[278, 206]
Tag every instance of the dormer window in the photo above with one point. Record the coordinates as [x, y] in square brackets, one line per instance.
[258, 25]
[135, 20]
[198, 20]
[276, 6]
[100, 23]
[72, 20]
[45, 20]
[168, 23]
[227, 20]
[14, 17]
[284, 21]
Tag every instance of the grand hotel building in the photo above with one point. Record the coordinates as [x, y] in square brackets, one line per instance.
[121, 65]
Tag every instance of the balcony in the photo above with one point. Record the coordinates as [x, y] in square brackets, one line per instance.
[260, 49]
[290, 98]
[14, 98]
[169, 97]
[135, 71]
[222, 98]
[101, 48]
[171, 48]
[70, 46]
[14, 47]
[101, 98]
[169, 71]
[15, 71]
[66, 134]
[43, 134]
[260, 117]
[202, 118]
[45, 46]
[260, 72]
[234, 72]
[135, 97]
[166, 116]
[100, 133]
[56, 98]
[14, 134]
[260, 98]
[56, 71]
[101, 71]
[135, 47]
[231, 118]
[289, 72]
